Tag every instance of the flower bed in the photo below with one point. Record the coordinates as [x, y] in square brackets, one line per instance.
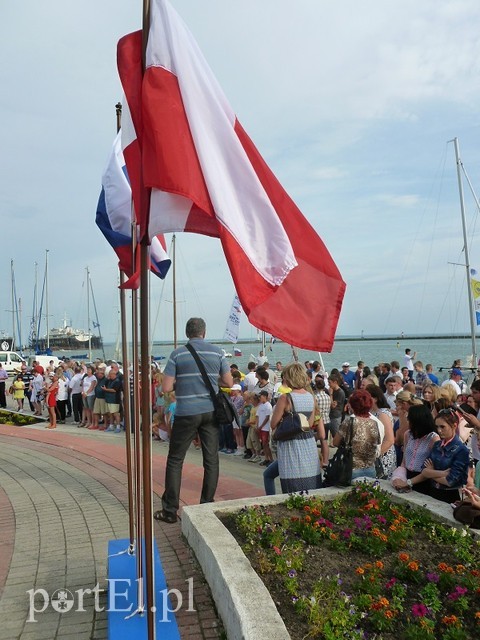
[360, 566]
[16, 419]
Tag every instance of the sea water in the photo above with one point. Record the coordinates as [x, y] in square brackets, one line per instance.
[440, 352]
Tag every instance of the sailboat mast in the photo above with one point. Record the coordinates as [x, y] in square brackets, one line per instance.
[89, 333]
[46, 298]
[13, 304]
[467, 257]
[174, 285]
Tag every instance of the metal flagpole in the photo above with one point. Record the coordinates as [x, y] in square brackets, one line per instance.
[127, 417]
[145, 394]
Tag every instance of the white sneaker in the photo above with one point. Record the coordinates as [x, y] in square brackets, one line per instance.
[260, 459]
[253, 459]
[239, 452]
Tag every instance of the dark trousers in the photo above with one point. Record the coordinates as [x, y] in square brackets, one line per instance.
[28, 395]
[184, 431]
[61, 408]
[226, 437]
[3, 399]
[77, 405]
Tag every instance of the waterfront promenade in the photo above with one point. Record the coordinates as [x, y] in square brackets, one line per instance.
[63, 495]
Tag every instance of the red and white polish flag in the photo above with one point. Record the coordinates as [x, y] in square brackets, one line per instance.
[184, 143]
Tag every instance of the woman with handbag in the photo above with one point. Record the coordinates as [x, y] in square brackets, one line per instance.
[365, 435]
[381, 410]
[298, 460]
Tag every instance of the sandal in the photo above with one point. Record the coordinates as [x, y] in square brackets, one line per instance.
[163, 516]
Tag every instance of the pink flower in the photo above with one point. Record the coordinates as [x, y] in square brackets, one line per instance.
[390, 583]
[277, 551]
[419, 610]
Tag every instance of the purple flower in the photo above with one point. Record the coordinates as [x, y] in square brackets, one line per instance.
[433, 577]
[390, 583]
[346, 533]
[419, 610]
[292, 573]
[458, 593]
[382, 520]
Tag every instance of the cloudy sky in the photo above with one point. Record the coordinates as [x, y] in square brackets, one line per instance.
[351, 103]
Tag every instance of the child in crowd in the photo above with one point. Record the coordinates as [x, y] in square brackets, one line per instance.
[170, 404]
[245, 417]
[253, 439]
[19, 391]
[264, 414]
[159, 428]
[238, 402]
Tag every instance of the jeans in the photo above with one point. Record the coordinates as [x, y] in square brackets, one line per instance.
[184, 431]
[269, 475]
[368, 472]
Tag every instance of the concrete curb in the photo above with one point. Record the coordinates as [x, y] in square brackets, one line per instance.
[236, 587]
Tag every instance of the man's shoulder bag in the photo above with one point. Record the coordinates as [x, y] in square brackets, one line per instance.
[224, 409]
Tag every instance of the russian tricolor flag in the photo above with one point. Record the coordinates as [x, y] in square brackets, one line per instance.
[114, 216]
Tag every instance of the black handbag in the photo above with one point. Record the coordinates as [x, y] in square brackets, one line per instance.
[339, 470]
[466, 513]
[224, 409]
[289, 426]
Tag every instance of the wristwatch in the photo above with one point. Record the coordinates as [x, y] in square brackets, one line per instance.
[410, 484]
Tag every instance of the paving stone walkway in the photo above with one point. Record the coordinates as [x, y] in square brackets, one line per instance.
[62, 497]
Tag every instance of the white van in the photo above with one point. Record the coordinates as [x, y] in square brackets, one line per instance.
[11, 361]
[44, 361]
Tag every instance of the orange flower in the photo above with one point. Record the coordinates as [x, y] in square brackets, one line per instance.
[308, 519]
[404, 557]
[460, 568]
[383, 537]
[392, 527]
[333, 536]
[379, 564]
[475, 572]
[389, 614]
[384, 602]
[360, 571]
[450, 620]
[413, 566]
[442, 566]
[477, 616]
[306, 508]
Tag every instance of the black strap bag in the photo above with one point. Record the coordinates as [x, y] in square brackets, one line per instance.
[289, 426]
[339, 470]
[224, 409]
[466, 513]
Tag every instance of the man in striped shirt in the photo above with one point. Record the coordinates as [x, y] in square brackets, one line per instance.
[194, 414]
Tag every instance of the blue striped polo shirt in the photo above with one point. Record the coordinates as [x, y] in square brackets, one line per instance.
[192, 395]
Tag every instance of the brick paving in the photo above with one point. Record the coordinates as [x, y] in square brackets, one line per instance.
[62, 497]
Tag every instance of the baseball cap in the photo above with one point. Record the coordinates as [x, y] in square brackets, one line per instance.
[236, 387]
[346, 364]
[456, 372]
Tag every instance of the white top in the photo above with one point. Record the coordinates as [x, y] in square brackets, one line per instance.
[264, 410]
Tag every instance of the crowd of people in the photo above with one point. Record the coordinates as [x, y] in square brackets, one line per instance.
[84, 395]
[404, 425]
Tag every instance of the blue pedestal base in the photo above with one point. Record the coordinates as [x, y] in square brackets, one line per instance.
[122, 598]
